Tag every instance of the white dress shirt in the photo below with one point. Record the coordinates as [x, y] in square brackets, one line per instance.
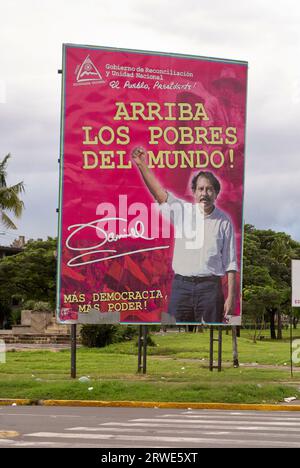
[204, 244]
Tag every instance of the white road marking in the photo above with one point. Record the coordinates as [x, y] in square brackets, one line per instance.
[129, 429]
[241, 413]
[145, 438]
[18, 415]
[221, 417]
[68, 444]
[169, 430]
[206, 425]
[214, 421]
[103, 429]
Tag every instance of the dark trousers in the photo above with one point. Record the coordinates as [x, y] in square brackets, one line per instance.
[197, 300]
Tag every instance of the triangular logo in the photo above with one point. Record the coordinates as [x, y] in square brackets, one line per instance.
[88, 72]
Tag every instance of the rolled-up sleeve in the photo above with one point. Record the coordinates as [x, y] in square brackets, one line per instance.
[229, 249]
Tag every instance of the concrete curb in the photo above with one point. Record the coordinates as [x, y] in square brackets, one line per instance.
[150, 404]
[18, 402]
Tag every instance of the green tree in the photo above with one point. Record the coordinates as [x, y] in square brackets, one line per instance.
[267, 264]
[31, 274]
[256, 301]
[9, 197]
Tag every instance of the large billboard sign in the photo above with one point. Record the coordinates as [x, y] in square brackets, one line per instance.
[295, 283]
[151, 187]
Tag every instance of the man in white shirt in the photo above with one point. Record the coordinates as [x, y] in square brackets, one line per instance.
[197, 294]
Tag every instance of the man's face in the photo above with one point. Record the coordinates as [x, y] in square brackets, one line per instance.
[205, 194]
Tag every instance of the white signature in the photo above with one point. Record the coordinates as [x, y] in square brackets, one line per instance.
[136, 232]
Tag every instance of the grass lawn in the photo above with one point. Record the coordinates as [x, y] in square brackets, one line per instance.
[176, 371]
[196, 346]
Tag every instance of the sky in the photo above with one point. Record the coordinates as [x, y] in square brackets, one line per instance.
[264, 33]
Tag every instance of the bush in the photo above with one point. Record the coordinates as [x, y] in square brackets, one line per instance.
[29, 305]
[5, 312]
[42, 307]
[127, 333]
[99, 336]
[150, 341]
[15, 317]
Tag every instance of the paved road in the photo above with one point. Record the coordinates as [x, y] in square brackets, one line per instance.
[145, 428]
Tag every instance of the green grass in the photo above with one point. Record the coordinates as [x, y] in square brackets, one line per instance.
[148, 391]
[196, 346]
[175, 372]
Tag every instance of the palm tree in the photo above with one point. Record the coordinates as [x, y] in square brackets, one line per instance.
[9, 197]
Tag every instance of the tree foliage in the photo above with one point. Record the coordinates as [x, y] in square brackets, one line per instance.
[267, 274]
[9, 197]
[99, 336]
[31, 274]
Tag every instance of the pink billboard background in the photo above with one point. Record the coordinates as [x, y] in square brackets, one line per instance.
[94, 80]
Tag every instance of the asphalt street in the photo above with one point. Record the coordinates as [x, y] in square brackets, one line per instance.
[145, 428]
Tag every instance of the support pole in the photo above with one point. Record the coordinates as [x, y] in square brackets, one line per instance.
[291, 343]
[235, 351]
[73, 351]
[211, 349]
[220, 349]
[142, 349]
[140, 339]
[145, 336]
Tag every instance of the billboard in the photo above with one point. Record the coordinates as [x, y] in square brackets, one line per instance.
[151, 187]
[295, 283]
